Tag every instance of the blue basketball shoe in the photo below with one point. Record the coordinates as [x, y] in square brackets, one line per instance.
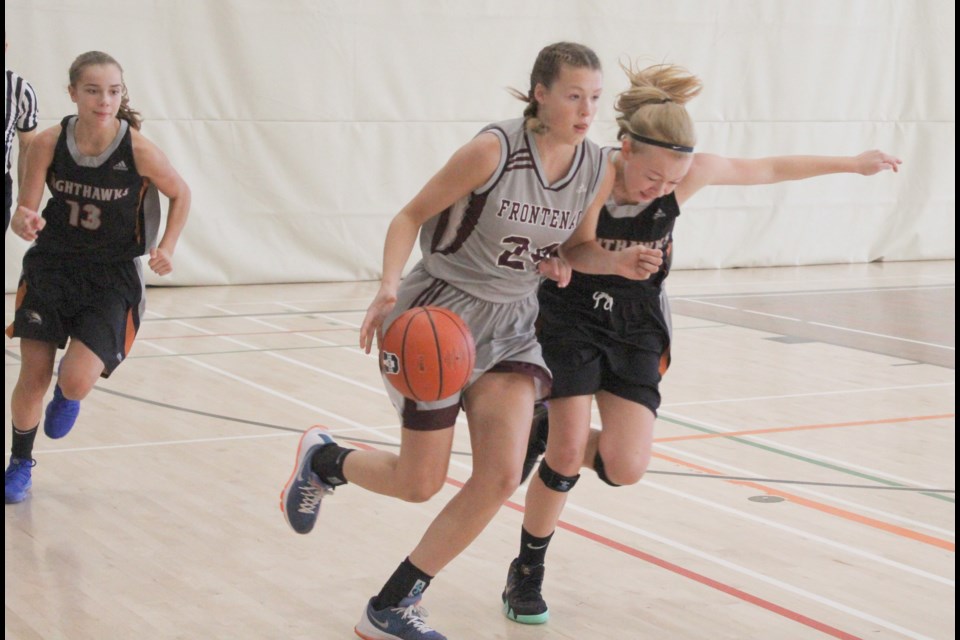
[61, 414]
[301, 497]
[403, 622]
[17, 480]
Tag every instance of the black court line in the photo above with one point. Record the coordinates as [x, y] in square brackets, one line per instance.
[276, 427]
[255, 423]
[380, 443]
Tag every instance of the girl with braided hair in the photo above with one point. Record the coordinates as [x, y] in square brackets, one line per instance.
[490, 224]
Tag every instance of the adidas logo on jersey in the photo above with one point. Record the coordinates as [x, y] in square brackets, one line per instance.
[120, 166]
[659, 214]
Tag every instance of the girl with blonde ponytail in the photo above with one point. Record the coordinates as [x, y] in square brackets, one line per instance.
[608, 338]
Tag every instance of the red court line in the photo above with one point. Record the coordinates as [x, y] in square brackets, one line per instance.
[702, 579]
[825, 508]
[677, 569]
[750, 432]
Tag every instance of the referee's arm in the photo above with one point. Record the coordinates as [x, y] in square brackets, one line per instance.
[24, 138]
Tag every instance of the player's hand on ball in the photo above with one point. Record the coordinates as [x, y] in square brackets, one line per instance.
[377, 312]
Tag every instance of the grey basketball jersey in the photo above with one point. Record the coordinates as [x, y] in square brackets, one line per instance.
[490, 242]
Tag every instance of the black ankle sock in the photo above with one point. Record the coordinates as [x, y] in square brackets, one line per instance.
[406, 582]
[328, 463]
[23, 442]
[533, 550]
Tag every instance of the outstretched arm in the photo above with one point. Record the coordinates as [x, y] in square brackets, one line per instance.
[708, 169]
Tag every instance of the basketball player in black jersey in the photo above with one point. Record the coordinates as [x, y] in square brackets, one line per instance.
[607, 337]
[82, 284]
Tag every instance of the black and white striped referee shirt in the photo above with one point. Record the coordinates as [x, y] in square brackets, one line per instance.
[20, 113]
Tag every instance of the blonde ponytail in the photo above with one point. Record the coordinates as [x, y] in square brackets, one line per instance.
[652, 110]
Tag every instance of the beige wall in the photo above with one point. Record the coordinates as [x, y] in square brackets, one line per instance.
[303, 125]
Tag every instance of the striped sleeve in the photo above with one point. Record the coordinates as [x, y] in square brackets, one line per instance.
[27, 108]
[20, 111]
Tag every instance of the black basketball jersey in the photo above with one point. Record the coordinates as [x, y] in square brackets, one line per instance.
[626, 225]
[101, 209]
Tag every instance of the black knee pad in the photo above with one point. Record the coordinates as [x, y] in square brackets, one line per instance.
[601, 471]
[554, 480]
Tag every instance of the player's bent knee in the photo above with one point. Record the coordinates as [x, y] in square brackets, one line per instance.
[420, 491]
[75, 387]
[75, 392]
[565, 457]
[556, 481]
[495, 485]
[619, 472]
[34, 385]
[421, 486]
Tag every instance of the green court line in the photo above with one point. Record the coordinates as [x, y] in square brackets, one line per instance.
[814, 461]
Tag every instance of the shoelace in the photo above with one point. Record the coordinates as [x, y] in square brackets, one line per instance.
[310, 497]
[528, 586]
[16, 466]
[414, 614]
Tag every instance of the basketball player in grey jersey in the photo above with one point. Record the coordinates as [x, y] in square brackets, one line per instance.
[608, 338]
[490, 223]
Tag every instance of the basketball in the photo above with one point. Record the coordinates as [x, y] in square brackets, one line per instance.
[428, 353]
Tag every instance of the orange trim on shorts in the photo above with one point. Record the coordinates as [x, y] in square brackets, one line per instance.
[664, 361]
[21, 293]
[131, 334]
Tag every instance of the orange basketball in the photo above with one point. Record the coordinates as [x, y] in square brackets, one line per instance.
[427, 353]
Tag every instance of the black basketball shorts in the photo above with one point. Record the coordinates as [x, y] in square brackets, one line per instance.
[594, 342]
[97, 304]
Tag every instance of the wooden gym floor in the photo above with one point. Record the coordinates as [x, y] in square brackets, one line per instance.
[802, 484]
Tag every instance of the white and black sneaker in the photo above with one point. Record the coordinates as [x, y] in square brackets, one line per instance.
[403, 622]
